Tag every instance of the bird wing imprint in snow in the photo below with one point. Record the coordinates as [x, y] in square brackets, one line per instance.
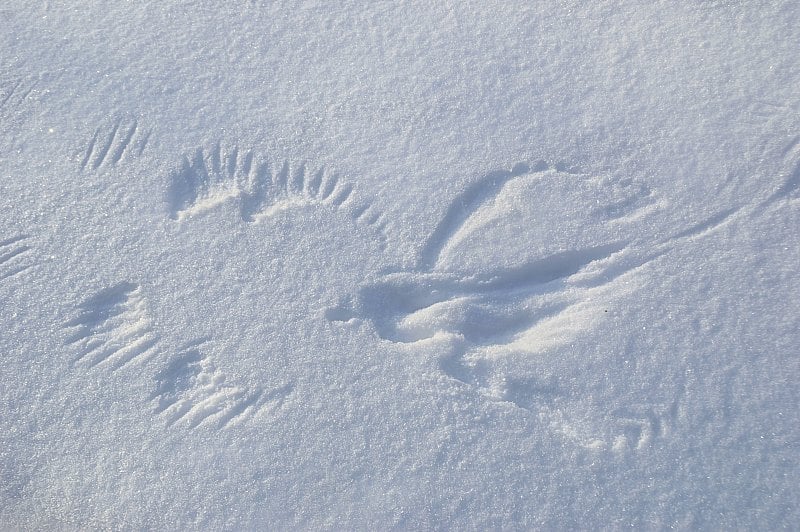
[107, 148]
[216, 175]
[113, 330]
[525, 301]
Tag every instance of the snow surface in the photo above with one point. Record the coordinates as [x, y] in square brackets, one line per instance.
[367, 265]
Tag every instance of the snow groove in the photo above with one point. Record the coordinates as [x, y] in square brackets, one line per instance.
[789, 189]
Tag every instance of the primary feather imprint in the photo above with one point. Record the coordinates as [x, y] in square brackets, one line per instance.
[108, 146]
[191, 391]
[113, 328]
[14, 255]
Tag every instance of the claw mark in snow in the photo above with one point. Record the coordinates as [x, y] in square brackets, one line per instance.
[709, 225]
[638, 427]
[112, 328]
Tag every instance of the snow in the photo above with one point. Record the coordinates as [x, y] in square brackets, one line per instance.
[364, 265]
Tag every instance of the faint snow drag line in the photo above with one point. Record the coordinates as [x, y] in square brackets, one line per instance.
[112, 328]
[768, 111]
[790, 185]
[708, 225]
[108, 146]
[192, 392]
[213, 176]
[14, 93]
[14, 254]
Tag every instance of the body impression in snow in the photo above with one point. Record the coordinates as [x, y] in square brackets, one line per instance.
[522, 262]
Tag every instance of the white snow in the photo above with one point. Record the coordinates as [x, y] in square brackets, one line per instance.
[368, 265]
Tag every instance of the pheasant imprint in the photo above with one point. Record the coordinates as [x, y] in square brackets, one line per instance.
[477, 316]
[214, 176]
[191, 391]
[112, 328]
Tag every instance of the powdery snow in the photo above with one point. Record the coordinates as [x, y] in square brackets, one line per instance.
[410, 265]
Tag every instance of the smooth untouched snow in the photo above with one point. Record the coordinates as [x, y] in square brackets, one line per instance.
[411, 265]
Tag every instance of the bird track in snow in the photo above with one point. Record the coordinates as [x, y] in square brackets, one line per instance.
[531, 306]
